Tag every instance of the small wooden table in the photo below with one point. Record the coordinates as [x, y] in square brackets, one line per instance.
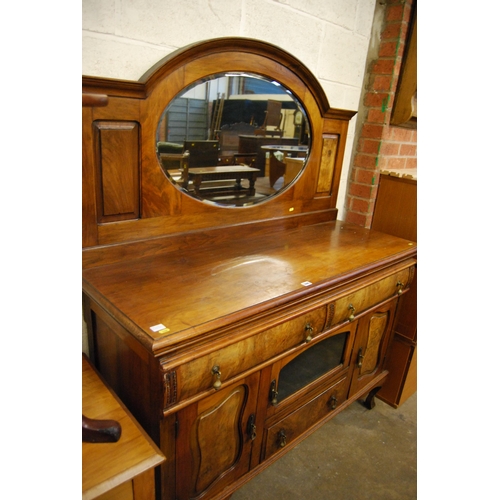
[122, 470]
[231, 172]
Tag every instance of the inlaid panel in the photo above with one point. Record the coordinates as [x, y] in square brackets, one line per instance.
[327, 164]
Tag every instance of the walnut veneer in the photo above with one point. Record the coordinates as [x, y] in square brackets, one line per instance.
[230, 333]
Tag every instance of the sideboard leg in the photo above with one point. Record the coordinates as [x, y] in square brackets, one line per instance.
[370, 399]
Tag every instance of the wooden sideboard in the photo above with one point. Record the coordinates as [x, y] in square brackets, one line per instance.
[230, 333]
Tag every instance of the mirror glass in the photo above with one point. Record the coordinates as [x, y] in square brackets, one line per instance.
[233, 139]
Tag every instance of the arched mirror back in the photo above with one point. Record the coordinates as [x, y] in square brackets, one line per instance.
[138, 169]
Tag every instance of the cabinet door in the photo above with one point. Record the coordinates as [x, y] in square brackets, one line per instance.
[372, 339]
[214, 441]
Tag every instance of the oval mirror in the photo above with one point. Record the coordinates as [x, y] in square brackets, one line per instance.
[233, 139]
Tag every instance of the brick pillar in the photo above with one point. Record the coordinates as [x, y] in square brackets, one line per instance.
[381, 146]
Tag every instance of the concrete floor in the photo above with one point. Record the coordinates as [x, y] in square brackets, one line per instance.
[358, 455]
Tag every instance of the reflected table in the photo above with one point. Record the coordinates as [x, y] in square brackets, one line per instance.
[201, 175]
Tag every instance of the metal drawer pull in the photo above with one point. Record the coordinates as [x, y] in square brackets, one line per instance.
[282, 438]
[400, 287]
[360, 358]
[309, 329]
[333, 402]
[251, 427]
[352, 309]
[216, 371]
[273, 393]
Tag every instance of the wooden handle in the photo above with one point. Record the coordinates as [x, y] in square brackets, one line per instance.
[100, 431]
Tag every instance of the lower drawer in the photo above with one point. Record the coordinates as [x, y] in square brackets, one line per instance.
[292, 426]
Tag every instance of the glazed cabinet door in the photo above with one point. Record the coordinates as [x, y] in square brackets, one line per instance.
[215, 438]
[372, 340]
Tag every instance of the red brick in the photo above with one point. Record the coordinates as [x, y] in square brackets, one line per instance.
[366, 176]
[375, 99]
[369, 146]
[382, 83]
[411, 163]
[360, 190]
[389, 148]
[382, 162]
[359, 205]
[383, 67]
[396, 163]
[394, 13]
[371, 131]
[376, 116]
[355, 218]
[400, 134]
[387, 49]
[391, 31]
[408, 150]
[367, 161]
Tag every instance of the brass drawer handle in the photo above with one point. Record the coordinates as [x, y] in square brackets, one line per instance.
[216, 371]
[273, 393]
[360, 358]
[251, 427]
[309, 329]
[352, 309]
[282, 438]
[333, 402]
[400, 286]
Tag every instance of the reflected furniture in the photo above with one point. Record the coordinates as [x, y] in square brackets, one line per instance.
[198, 176]
[123, 469]
[273, 119]
[231, 333]
[293, 167]
[396, 213]
[202, 153]
[277, 167]
[254, 143]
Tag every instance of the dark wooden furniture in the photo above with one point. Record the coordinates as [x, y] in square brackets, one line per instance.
[254, 143]
[202, 153]
[396, 213]
[112, 470]
[277, 168]
[231, 334]
[198, 176]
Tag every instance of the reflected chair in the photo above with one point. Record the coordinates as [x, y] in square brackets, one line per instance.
[273, 118]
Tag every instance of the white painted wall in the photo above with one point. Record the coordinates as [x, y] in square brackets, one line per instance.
[124, 38]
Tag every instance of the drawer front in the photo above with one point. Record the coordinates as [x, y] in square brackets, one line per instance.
[199, 374]
[291, 427]
[350, 306]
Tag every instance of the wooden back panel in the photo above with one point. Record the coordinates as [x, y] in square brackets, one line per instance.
[127, 197]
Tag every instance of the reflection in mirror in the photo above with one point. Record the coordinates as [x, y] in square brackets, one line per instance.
[233, 139]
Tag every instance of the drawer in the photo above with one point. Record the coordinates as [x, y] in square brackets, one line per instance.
[353, 304]
[282, 433]
[198, 375]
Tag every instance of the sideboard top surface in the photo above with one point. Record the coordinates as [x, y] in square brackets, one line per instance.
[195, 291]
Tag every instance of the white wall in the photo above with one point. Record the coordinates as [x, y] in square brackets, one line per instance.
[124, 38]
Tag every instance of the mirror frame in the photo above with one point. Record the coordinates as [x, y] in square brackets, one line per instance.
[120, 137]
